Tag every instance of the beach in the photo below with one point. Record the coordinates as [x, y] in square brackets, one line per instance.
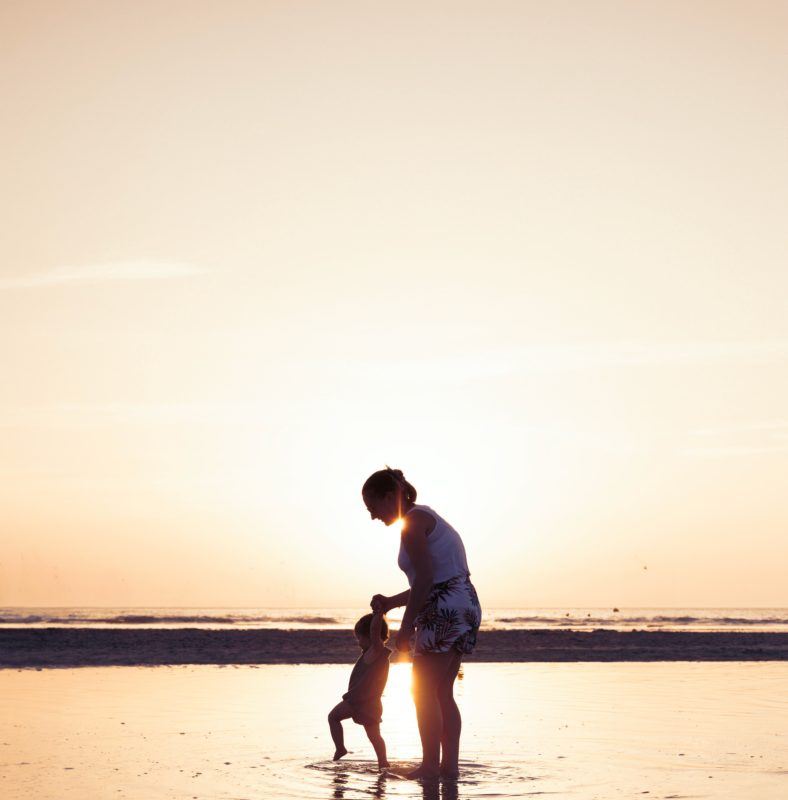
[590, 731]
[83, 647]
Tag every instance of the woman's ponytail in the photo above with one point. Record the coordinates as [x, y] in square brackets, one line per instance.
[388, 480]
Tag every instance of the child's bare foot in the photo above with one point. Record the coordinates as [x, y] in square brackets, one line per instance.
[341, 751]
[422, 773]
[449, 773]
[383, 765]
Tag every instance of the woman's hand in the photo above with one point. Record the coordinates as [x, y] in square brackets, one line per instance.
[402, 640]
[380, 604]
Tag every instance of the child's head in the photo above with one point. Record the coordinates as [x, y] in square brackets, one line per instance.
[362, 629]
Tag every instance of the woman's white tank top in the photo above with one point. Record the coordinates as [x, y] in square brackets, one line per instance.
[446, 551]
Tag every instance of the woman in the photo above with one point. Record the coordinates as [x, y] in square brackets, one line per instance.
[442, 614]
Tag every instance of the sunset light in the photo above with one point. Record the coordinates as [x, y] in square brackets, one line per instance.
[512, 274]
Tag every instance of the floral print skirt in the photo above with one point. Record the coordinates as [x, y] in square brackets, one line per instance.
[450, 618]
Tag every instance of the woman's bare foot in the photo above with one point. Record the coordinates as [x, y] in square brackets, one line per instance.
[450, 773]
[341, 751]
[383, 765]
[422, 773]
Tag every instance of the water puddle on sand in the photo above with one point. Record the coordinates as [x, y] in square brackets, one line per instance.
[350, 779]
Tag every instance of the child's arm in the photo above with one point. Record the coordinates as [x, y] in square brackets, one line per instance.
[375, 642]
[374, 630]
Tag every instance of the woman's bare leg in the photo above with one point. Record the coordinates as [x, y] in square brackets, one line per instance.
[452, 722]
[428, 671]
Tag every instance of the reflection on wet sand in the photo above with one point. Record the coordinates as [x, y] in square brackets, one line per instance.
[590, 730]
[343, 788]
[376, 788]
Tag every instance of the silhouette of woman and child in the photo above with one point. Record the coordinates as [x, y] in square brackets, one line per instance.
[439, 626]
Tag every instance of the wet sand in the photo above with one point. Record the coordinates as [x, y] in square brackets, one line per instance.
[587, 731]
[81, 647]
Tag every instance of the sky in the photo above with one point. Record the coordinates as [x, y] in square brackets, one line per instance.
[530, 253]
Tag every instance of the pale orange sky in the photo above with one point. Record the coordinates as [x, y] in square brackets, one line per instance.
[531, 253]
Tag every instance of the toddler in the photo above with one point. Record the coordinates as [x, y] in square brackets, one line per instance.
[361, 702]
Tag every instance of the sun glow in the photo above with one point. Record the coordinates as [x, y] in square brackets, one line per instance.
[398, 708]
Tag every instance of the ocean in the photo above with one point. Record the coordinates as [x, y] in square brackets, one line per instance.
[623, 619]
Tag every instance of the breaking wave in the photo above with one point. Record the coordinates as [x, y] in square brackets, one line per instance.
[657, 620]
[162, 619]
[742, 619]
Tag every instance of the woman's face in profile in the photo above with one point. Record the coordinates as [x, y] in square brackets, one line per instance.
[385, 507]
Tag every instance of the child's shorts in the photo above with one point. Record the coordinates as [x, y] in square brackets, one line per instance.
[367, 715]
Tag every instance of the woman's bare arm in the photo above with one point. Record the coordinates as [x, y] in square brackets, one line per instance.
[384, 604]
[414, 539]
[397, 600]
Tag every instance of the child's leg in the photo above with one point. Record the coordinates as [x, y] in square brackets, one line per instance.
[336, 715]
[373, 734]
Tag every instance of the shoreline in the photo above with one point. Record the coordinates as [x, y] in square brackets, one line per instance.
[84, 647]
